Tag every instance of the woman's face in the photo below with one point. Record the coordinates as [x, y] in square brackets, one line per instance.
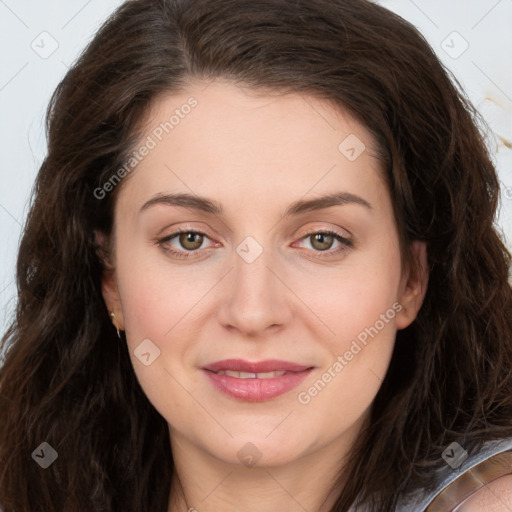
[255, 179]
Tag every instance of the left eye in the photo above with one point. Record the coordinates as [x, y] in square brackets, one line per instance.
[323, 241]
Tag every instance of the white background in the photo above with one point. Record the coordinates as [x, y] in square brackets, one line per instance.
[31, 29]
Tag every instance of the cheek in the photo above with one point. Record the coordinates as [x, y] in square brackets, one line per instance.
[156, 295]
[358, 359]
[145, 306]
[156, 308]
[360, 307]
[353, 297]
[163, 303]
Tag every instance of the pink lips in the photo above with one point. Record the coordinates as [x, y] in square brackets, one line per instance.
[256, 389]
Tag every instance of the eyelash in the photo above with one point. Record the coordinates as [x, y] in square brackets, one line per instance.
[346, 243]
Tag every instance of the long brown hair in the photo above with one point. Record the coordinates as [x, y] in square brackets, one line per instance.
[66, 379]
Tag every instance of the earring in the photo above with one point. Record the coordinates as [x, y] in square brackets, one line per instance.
[113, 316]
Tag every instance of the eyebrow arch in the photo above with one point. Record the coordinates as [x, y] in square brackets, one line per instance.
[325, 201]
[187, 201]
[301, 206]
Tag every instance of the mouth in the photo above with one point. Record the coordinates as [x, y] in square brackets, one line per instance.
[249, 375]
[255, 381]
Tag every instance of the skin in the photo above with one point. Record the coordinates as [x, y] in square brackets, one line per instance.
[256, 153]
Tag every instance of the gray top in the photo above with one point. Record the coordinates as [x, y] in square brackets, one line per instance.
[458, 462]
[419, 501]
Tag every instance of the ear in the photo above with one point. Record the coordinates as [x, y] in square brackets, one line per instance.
[413, 286]
[109, 288]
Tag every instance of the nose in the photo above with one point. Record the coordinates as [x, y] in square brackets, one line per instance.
[254, 298]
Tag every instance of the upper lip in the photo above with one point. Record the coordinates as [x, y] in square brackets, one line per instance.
[268, 365]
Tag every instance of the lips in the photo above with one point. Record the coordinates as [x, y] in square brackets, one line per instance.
[250, 375]
[255, 381]
[269, 365]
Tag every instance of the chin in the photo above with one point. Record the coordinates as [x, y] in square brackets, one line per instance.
[258, 450]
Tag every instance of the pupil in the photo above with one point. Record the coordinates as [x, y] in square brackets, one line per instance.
[190, 238]
[321, 237]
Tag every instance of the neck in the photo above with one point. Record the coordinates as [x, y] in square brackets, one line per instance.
[267, 490]
[203, 483]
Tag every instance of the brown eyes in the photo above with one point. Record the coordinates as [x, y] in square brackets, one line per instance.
[191, 242]
[322, 241]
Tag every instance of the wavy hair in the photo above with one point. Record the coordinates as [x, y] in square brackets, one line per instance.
[66, 378]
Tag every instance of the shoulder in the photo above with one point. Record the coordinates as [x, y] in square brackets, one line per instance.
[496, 496]
[483, 483]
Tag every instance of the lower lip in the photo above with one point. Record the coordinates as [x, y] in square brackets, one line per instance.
[256, 390]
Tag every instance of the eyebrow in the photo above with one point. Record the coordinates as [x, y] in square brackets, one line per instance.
[204, 204]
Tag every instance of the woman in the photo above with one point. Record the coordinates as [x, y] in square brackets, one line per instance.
[259, 273]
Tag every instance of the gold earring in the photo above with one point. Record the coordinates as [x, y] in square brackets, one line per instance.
[113, 316]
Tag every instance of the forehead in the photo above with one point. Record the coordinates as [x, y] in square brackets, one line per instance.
[219, 139]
